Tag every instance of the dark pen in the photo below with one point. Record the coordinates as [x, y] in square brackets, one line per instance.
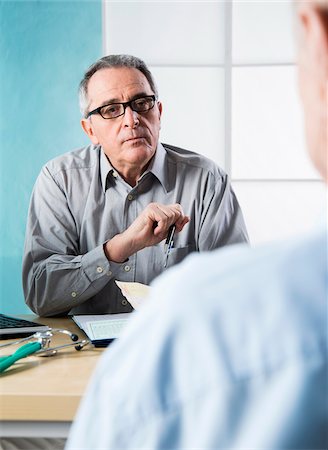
[169, 243]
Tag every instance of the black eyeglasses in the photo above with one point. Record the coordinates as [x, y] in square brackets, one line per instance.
[113, 110]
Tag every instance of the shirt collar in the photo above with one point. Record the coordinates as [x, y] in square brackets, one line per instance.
[157, 166]
[105, 169]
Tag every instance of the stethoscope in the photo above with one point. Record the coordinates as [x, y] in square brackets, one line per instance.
[40, 346]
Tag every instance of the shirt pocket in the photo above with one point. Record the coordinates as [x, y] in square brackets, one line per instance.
[153, 260]
[177, 254]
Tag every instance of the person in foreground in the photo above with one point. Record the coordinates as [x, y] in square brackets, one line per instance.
[235, 358]
[100, 213]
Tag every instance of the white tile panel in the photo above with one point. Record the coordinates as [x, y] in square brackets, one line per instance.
[263, 32]
[268, 140]
[166, 32]
[278, 210]
[193, 109]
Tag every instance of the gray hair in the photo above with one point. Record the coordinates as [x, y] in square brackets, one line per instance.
[108, 62]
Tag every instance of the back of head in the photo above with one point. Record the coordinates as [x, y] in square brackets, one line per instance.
[109, 62]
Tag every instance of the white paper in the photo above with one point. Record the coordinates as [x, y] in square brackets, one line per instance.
[106, 329]
[135, 293]
[102, 326]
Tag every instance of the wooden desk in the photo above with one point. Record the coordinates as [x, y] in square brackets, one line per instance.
[39, 396]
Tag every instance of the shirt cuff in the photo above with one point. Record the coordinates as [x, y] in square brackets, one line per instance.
[95, 265]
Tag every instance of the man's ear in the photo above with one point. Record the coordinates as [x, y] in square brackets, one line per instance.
[314, 24]
[88, 129]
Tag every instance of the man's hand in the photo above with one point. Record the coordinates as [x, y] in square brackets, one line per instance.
[150, 228]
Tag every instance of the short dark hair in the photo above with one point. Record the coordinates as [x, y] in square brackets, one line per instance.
[108, 62]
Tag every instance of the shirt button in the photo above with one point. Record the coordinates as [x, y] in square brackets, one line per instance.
[130, 197]
[124, 302]
[115, 174]
[127, 268]
[74, 294]
[109, 273]
[100, 269]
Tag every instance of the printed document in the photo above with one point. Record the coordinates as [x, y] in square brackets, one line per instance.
[102, 326]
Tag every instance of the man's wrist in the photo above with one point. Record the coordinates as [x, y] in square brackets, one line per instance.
[116, 250]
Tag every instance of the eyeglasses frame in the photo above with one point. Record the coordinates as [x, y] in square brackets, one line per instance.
[124, 104]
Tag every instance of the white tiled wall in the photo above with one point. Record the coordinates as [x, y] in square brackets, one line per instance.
[227, 79]
[267, 125]
[274, 210]
[262, 32]
[193, 101]
[167, 33]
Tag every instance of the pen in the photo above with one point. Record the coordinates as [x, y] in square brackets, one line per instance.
[169, 243]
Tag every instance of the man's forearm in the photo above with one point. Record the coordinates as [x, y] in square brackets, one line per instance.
[62, 282]
[149, 228]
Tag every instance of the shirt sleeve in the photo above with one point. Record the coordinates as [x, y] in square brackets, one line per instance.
[222, 221]
[216, 374]
[56, 277]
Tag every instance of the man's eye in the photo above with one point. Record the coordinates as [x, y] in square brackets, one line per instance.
[143, 104]
[110, 109]
[141, 101]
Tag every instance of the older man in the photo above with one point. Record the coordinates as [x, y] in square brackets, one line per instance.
[100, 213]
[239, 360]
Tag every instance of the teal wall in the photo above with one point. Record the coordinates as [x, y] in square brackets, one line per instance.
[45, 46]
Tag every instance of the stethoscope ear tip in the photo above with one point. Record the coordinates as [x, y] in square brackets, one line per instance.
[82, 344]
[74, 337]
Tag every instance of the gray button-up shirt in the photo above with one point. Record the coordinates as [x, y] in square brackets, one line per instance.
[79, 202]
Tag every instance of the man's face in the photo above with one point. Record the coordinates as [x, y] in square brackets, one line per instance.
[130, 140]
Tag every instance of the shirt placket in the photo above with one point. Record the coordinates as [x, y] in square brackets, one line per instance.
[130, 214]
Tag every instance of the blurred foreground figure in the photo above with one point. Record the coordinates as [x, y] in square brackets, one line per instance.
[235, 357]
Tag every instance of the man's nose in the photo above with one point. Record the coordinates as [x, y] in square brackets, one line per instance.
[131, 118]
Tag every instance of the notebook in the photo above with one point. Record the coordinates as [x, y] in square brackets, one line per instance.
[102, 329]
[14, 327]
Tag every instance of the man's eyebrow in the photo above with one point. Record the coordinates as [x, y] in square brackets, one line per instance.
[139, 95]
[116, 100]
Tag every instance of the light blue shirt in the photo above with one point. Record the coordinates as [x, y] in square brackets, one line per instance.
[230, 354]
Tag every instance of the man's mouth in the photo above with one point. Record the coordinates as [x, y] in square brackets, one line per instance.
[134, 139]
